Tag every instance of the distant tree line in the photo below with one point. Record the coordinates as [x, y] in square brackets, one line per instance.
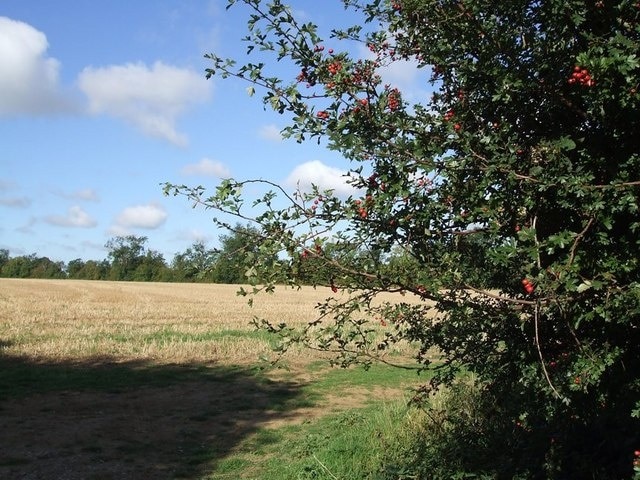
[130, 259]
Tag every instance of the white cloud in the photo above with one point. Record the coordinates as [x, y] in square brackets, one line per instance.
[140, 216]
[29, 80]
[150, 98]
[76, 217]
[324, 177]
[270, 132]
[207, 167]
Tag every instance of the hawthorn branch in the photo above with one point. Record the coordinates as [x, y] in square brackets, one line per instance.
[580, 236]
[537, 342]
[516, 301]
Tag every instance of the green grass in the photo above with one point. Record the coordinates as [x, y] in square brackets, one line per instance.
[169, 335]
[351, 444]
[378, 375]
[346, 446]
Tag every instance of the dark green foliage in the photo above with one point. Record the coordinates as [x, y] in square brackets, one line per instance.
[508, 202]
[30, 266]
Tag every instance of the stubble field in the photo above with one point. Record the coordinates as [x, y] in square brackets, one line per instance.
[106, 380]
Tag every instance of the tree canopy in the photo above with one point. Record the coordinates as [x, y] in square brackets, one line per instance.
[512, 194]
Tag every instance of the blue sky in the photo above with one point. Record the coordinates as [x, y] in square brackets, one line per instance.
[101, 102]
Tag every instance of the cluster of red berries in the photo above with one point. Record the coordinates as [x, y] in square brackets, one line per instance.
[361, 209]
[334, 67]
[316, 202]
[362, 103]
[528, 286]
[394, 100]
[322, 114]
[395, 4]
[581, 76]
[373, 180]
[636, 460]
[302, 76]
[448, 116]
[306, 252]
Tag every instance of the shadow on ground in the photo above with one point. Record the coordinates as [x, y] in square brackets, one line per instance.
[103, 420]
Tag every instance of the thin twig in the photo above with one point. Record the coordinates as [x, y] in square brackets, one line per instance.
[579, 237]
[535, 237]
[500, 297]
[537, 342]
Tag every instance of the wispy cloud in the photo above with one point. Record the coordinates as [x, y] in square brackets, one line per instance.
[207, 167]
[150, 98]
[270, 132]
[76, 217]
[15, 202]
[85, 194]
[12, 201]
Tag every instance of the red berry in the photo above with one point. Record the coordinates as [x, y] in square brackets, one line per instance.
[457, 127]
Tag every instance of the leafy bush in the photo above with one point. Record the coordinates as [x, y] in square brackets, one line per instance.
[528, 153]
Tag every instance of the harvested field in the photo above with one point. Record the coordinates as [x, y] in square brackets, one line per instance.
[116, 380]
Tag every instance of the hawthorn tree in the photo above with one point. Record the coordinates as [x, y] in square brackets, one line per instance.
[528, 152]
